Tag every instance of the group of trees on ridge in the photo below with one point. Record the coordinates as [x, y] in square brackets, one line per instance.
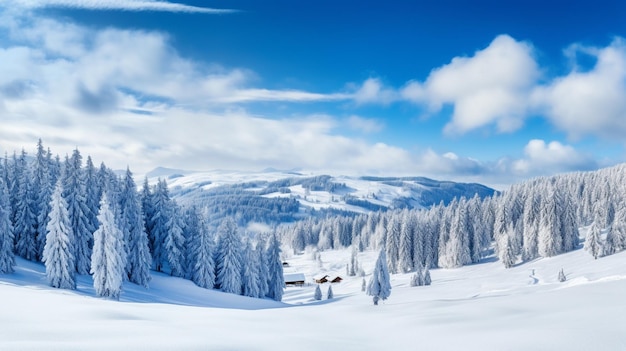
[537, 218]
[86, 220]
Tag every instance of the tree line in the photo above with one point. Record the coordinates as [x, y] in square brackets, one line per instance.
[79, 219]
[537, 218]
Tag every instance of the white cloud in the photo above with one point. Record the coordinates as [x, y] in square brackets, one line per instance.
[124, 5]
[490, 87]
[365, 125]
[374, 91]
[544, 159]
[592, 102]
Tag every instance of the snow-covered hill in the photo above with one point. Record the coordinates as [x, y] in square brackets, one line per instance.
[477, 307]
[287, 194]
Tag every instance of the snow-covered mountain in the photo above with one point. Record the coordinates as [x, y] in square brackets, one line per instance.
[289, 194]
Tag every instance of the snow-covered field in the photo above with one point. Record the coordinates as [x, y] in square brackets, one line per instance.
[477, 307]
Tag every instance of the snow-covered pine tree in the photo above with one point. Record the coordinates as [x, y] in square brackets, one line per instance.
[201, 256]
[139, 260]
[74, 195]
[427, 279]
[261, 255]
[93, 193]
[417, 278]
[549, 235]
[329, 294]
[276, 281]
[250, 273]
[42, 188]
[593, 243]
[507, 255]
[530, 218]
[379, 286]
[58, 253]
[392, 243]
[25, 221]
[407, 233]
[228, 257]
[318, 293]
[158, 204]
[562, 276]
[108, 262]
[175, 241]
[363, 285]
[7, 256]
[353, 266]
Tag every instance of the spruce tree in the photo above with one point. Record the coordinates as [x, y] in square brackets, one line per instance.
[108, 262]
[139, 259]
[379, 286]
[74, 195]
[261, 254]
[25, 220]
[201, 264]
[229, 260]
[250, 273]
[7, 256]
[330, 294]
[175, 241]
[43, 186]
[427, 279]
[276, 280]
[318, 293]
[593, 243]
[58, 253]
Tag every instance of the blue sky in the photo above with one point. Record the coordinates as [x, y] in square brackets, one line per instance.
[486, 91]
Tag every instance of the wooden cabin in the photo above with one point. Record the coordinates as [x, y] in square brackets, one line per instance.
[294, 279]
[321, 280]
[336, 279]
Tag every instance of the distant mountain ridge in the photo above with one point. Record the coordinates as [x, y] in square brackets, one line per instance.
[275, 196]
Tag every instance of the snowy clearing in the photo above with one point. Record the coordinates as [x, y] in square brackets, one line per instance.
[477, 307]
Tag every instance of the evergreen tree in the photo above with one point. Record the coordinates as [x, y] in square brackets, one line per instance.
[159, 224]
[58, 254]
[7, 257]
[25, 220]
[74, 195]
[393, 242]
[562, 276]
[363, 285]
[276, 281]
[108, 262]
[593, 243]
[507, 255]
[318, 293]
[202, 266]
[530, 219]
[43, 186]
[549, 234]
[330, 294]
[379, 286]
[228, 258]
[250, 273]
[93, 193]
[135, 237]
[407, 233]
[264, 272]
[175, 241]
[427, 279]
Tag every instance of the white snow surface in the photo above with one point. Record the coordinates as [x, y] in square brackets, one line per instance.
[477, 307]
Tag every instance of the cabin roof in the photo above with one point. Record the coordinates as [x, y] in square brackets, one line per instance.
[294, 277]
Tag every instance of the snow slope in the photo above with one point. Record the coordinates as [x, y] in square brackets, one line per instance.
[477, 307]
